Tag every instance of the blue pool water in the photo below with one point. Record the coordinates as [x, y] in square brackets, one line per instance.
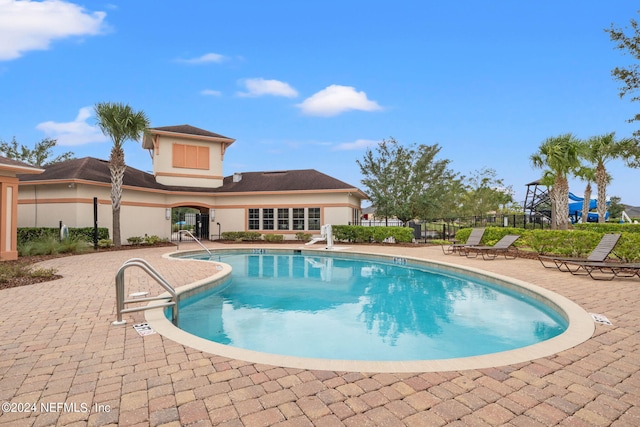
[357, 309]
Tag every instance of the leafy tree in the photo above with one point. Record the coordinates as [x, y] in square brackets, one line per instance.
[406, 182]
[615, 208]
[485, 193]
[39, 156]
[120, 123]
[561, 156]
[629, 76]
[599, 150]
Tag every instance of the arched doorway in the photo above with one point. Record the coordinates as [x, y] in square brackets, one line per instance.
[195, 219]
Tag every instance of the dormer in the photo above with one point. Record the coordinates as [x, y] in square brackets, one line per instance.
[186, 156]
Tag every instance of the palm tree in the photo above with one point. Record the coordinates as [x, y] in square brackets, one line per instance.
[561, 155]
[598, 151]
[120, 123]
[587, 175]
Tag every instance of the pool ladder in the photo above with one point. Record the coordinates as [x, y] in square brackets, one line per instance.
[170, 301]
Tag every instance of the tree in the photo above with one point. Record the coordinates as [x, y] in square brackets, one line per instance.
[120, 123]
[630, 75]
[485, 193]
[587, 175]
[561, 156]
[406, 182]
[599, 150]
[616, 208]
[39, 156]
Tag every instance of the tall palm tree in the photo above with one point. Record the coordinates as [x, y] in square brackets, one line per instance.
[587, 175]
[120, 123]
[603, 148]
[561, 156]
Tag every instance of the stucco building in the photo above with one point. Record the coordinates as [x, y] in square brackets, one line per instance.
[9, 215]
[187, 172]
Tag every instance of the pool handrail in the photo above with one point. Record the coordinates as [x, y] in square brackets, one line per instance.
[196, 239]
[121, 301]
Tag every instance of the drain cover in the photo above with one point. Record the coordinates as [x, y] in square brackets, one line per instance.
[600, 318]
[143, 329]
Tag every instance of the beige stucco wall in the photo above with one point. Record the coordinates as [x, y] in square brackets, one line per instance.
[167, 174]
[144, 211]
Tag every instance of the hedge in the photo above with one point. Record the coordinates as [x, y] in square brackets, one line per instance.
[241, 235]
[576, 243]
[608, 227]
[362, 234]
[28, 234]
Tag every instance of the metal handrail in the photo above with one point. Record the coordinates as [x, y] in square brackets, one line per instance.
[196, 239]
[121, 301]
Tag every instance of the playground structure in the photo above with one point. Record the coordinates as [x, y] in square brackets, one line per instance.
[538, 201]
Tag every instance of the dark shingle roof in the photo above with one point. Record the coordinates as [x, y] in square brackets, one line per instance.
[92, 169]
[16, 164]
[290, 180]
[96, 170]
[188, 130]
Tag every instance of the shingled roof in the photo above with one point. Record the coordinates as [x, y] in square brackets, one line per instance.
[97, 170]
[16, 165]
[188, 130]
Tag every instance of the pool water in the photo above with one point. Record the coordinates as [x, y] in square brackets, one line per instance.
[362, 309]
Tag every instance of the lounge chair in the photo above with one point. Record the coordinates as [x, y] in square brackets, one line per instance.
[599, 254]
[606, 270]
[491, 252]
[474, 240]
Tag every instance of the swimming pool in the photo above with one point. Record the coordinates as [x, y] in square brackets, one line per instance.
[308, 306]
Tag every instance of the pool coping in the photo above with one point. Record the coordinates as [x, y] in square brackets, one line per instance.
[580, 327]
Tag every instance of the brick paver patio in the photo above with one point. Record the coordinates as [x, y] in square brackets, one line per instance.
[63, 363]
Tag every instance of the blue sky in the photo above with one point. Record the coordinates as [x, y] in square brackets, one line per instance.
[310, 84]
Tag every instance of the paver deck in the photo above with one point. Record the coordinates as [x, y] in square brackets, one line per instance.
[63, 363]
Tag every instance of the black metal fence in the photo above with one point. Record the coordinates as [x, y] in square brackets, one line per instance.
[446, 228]
[197, 224]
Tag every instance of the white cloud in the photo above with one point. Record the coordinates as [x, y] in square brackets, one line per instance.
[204, 59]
[261, 87]
[29, 25]
[336, 99]
[77, 132]
[359, 144]
[210, 92]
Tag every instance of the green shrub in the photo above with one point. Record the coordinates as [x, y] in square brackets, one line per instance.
[10, 271]
[273, 237]
[628, 247]
[361, 234]
[575, 243]
[26, 234]
[608, 227]
[493, 234]
[51, 246]
[135, 240]
[105, 243]
[152, 240]
[303, 237]
[241, 235]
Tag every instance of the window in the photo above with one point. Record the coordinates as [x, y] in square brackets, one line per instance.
[283, 219]
[298, 218]
[267, 219]
[190, 156]
[254, 219]
[314, 218]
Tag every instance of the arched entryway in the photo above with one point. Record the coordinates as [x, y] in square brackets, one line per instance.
[194, 219]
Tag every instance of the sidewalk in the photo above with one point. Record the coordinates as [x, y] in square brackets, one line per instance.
[63, 363]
